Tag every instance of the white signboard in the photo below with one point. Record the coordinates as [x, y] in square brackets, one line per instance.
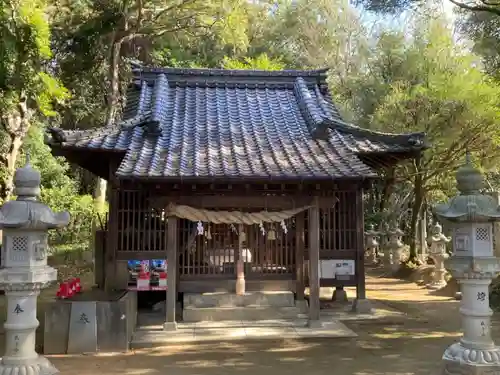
[327, 269]
[344, 267]
[331, 268]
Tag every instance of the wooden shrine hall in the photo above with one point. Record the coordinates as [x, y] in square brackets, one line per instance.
[244, 180]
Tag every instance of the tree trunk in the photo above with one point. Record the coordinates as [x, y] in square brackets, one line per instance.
[114, 82]
[15, 126]
[422, 231]
[15, 143]
[418, 194]
[387, 190]
[111, 112]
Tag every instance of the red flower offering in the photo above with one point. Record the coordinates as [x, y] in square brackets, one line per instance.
[78, 285]
[64, 290]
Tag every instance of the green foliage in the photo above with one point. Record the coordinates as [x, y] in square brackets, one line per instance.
[441, 93]
[60, 192]
[483, 29]
[24, 50]
[261, 62]
[317, 33]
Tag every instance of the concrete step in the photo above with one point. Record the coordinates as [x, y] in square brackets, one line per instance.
[277, 299]
[250, 312]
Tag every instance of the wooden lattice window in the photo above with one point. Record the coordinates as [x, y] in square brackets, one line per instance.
[337, 221]
[140, 227]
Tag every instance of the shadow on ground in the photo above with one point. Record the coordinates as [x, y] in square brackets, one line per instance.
[379, 350]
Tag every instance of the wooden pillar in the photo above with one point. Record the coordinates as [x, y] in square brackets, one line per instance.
[110, 281]
[99, 257]
[240, 265]
[299, 256]
[361, 304]
[314, 306]
[172, 269]
[360, 259]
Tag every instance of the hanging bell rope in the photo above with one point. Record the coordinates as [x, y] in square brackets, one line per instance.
[230, 217]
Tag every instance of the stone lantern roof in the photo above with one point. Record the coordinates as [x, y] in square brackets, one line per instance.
[469, 205]
[26, 211]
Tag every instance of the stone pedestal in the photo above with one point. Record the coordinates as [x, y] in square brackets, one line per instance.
[476, 352]
[362, 306]
[340, 295]
[170, 326]
[25, 222]
[20, 331]
[388, 258]
[474, 265]
[384, 253]
[438, 278]
[395, 250]
[439, 255]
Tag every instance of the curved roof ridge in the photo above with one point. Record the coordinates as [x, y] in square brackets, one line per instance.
[257, 73]
[354, 130]
[317, 120]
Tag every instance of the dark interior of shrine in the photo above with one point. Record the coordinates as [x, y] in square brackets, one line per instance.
[146, 300]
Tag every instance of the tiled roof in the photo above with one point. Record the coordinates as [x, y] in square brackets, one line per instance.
[202, 123]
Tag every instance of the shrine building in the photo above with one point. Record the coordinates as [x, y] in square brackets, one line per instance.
[244, 180]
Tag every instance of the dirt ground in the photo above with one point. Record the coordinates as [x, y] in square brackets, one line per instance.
[410, 346]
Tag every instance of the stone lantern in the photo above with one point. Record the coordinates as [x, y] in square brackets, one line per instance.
[471, 215]
[438, 254]
[383, 240]
[24, 271]
[394, 251]
[371, 244]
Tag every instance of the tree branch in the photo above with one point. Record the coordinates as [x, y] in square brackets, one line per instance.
[476, 8]
[491, 3]
[140, 6]
[168, 9]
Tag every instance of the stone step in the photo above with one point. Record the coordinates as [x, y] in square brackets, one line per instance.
[278, 299]
[250, 312]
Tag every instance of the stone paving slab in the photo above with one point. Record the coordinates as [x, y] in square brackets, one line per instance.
[276, 323]
[330, 329]
[211, 324]
[259, 333]
[242, 330]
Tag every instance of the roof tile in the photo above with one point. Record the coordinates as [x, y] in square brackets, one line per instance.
[190, 123]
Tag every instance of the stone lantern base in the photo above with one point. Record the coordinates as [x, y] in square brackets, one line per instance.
[37, 366]
[437, 285]
[459, 360]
